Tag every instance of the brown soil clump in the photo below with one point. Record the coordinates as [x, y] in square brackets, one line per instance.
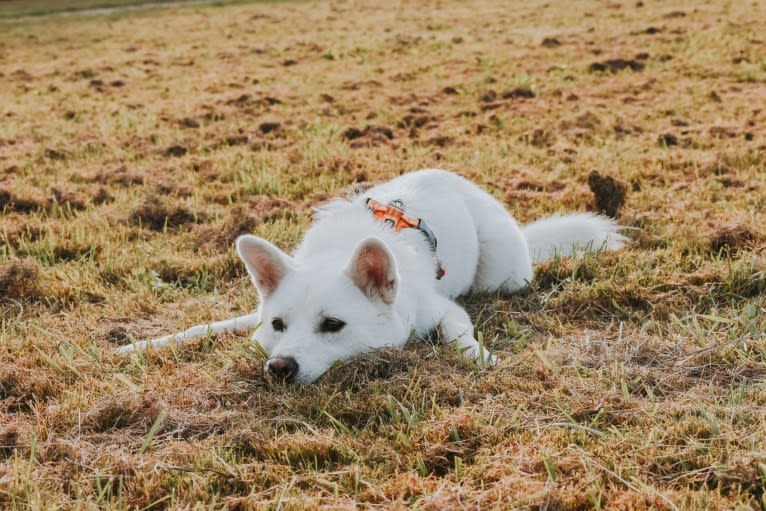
[518, 92]
[667, 140]
[616, 65]
[121, 411]
[22, 387]
[19, 278]
[175, 151]
[731, 239]
[18, 204]
[68, 198]
[369, 136]
[609, 193]
[244, 218]
[155, 214]
[9, 438]
[120, 176]
[188, 122]
[269, 127]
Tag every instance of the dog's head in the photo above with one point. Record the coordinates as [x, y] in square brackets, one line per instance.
[317, 312]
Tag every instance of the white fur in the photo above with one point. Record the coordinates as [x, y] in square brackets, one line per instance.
[393, 292]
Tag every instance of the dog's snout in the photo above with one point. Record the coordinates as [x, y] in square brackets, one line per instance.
[282, 368]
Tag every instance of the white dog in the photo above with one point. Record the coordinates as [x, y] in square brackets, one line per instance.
[369, 271]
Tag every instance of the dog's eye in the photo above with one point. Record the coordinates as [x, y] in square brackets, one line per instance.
[278, 325]
[331, 325]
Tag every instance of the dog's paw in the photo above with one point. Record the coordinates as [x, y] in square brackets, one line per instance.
[480, 354]
[486, 359]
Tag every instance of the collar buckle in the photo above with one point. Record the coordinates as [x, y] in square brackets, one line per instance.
[393, 216]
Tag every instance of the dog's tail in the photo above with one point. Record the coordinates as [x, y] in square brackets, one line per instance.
[571, 234]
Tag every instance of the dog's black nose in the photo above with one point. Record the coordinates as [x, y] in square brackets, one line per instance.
[282, 368]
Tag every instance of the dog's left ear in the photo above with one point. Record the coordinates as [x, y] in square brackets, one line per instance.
[373, 269]
[266, 264]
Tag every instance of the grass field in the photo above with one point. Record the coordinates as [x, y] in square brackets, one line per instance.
[135, 148]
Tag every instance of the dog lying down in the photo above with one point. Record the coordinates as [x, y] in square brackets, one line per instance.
[387, 263]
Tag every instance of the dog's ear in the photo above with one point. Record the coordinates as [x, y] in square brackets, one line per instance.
[373, 270]
[266, 264]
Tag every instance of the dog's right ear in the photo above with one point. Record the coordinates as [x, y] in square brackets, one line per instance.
[266, 264]
[373, 269]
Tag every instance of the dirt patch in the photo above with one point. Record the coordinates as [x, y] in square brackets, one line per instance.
[15, 228]
[175, 151]
[264, 144]
[586, 120]
[440, 141]
[369, 136]
[583, 127]
[10, 201]
[518, 92]
[73, 250]
[9, 438]
[237, 140]
[608, 193]
[269, 127]
[241, 100]
[22, 75]
[415, 121]
[55, 154]
[539, 137]
[66, 198]
[616, 65]
[102, 196]
[120, 176]
[675, 14]
[20, 278]
[488, 97]
[122, 411]
[731, 239]
[188, 122]
[244, 218]
[527, 184]
[118, 335]
[21, 388]
[457, 437]
[723, 132]
[156, 214]
[667, 140]
[729, 182]
[63, 197]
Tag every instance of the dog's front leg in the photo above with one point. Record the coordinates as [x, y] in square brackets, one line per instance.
[245, 322]
[456, 327]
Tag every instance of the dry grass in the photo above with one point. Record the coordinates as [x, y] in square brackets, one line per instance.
[135, 148]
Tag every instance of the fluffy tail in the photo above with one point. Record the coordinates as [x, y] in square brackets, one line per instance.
[571, 234]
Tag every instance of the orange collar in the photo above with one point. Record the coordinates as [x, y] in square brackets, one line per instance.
[392, 215]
